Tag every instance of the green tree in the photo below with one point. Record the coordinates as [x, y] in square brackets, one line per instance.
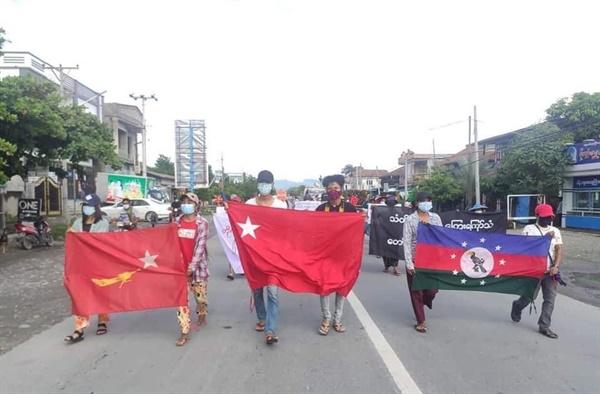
[2, 39]
[533, 162]
[442, 186]
[347, 170]
[44, 132]
[6, 149]
[578, 115]
[164, 165]
[297, 191]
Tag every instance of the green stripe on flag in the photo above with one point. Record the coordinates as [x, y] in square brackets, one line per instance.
[453, 280]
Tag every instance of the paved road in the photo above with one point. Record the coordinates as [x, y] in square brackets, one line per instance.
[471, 347]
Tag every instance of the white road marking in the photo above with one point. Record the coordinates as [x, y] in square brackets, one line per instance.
[399, 373]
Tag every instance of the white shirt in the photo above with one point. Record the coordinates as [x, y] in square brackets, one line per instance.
[277, 203]
[536, 230]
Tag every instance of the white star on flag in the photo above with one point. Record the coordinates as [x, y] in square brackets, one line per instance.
[455, 272]
[502, 262]
[482, 240]
[463, 281]
[482, 282]
[248, 228]
[497, 276]
[452, 256]
[498, 247]
[464, 244]
[148, 260]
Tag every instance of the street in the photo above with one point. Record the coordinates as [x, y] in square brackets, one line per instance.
[471, 346]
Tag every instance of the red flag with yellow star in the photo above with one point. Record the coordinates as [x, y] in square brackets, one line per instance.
[124, 271]
[299, 251]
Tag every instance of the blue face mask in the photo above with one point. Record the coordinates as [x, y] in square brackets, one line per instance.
[188, 209]
[88, 210]
[425, 206]
[264, 188]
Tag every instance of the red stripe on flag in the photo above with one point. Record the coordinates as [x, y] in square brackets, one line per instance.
[440, 258]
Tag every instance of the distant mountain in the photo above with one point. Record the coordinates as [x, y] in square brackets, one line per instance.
[285, 184]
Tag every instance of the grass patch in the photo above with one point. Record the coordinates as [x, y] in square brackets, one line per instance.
[58, 231]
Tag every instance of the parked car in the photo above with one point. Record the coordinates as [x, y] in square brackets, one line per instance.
[143, 208]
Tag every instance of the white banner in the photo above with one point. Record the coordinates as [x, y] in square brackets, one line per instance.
[307, 205]
[227, 240]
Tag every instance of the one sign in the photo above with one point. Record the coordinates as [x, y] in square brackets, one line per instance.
[584, 153]
[387, 229]
[29, 208]
[586, 182]
[495, 222]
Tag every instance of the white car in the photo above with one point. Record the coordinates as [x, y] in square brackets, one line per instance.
[143, 208]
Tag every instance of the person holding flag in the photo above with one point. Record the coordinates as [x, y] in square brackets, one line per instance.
[544, 228]
[418, 298]
[91, 221]
[334, 185]
[193, 235]
[267, 317]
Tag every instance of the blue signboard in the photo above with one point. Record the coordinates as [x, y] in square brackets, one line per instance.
[586, 182]
[584, 153]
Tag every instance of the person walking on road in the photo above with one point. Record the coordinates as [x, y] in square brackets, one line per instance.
[267, 317]
[334, 185]
[91, 221]
[418, 298]
[391, 262]
[543, 228]
[193, 235]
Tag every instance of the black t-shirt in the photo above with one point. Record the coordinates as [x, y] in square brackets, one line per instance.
[347, 207]
[86, 227]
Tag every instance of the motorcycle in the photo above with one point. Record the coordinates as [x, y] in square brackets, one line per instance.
[36, 234]
[175, 212]
[124, 224]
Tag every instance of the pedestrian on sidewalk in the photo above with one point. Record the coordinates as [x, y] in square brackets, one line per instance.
[193, 235]
[267, 316]
[548, 284]
[91, 221]
[334, 185]
[418, 298]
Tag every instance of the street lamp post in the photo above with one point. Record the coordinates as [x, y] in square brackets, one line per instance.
[144, 139]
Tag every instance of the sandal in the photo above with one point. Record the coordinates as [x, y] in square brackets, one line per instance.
[339, 327]
[397, 272]
[201, 320]
[182, 340]
[324, 329]
[230, 277]
[102, 329]
[549, 333]
[421, 327]
[272, 338]
[260, 326]
[75, 337]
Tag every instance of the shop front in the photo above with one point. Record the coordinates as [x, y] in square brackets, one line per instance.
[581, 187]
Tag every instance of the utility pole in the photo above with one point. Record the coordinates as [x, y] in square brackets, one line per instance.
[61, 92]
[144, 139]
[470, 167]
[406, 175]
[477, 191]
[222, 175]
[433, 145]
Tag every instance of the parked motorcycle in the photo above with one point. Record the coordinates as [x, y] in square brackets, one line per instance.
[36, 234]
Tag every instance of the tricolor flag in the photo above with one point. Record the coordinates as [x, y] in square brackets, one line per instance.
[299, 251]
[125, 271]
[463, 260]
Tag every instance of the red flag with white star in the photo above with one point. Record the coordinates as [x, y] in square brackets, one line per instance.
[124, 271]
[299, 251]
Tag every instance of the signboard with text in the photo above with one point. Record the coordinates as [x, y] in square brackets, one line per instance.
[29, 209]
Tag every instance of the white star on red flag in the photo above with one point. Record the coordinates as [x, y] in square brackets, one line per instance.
[248, 228]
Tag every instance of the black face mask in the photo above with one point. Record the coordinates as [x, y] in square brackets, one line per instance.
[545, 222]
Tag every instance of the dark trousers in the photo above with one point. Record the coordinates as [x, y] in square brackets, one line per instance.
[420, 298]
[389, 262]
[548, 287]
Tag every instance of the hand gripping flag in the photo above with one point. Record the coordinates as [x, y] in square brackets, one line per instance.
[463, 260]
[125, 271]
[299, 251]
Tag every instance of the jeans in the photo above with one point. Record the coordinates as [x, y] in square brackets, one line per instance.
[270, 314]
[339, 308]
[549, 294]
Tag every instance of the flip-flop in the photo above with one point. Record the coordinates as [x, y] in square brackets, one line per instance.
[260, 326]
[102, 329]
[422, 328]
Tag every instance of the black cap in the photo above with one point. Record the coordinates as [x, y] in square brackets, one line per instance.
[265, 177]
[422, 196]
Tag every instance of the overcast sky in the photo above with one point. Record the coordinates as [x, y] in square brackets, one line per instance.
[304, 87]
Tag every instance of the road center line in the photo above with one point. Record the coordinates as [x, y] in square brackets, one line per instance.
[400, 375]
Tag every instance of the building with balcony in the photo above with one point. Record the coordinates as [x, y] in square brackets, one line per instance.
[126, 123]
[418, 166]
[364, 179]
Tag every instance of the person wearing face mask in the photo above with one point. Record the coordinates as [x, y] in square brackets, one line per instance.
[127, 217]
[91, 221]
[423, 214]
[543, 228]
[334, 185]
[267, 316]
[193, 235]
